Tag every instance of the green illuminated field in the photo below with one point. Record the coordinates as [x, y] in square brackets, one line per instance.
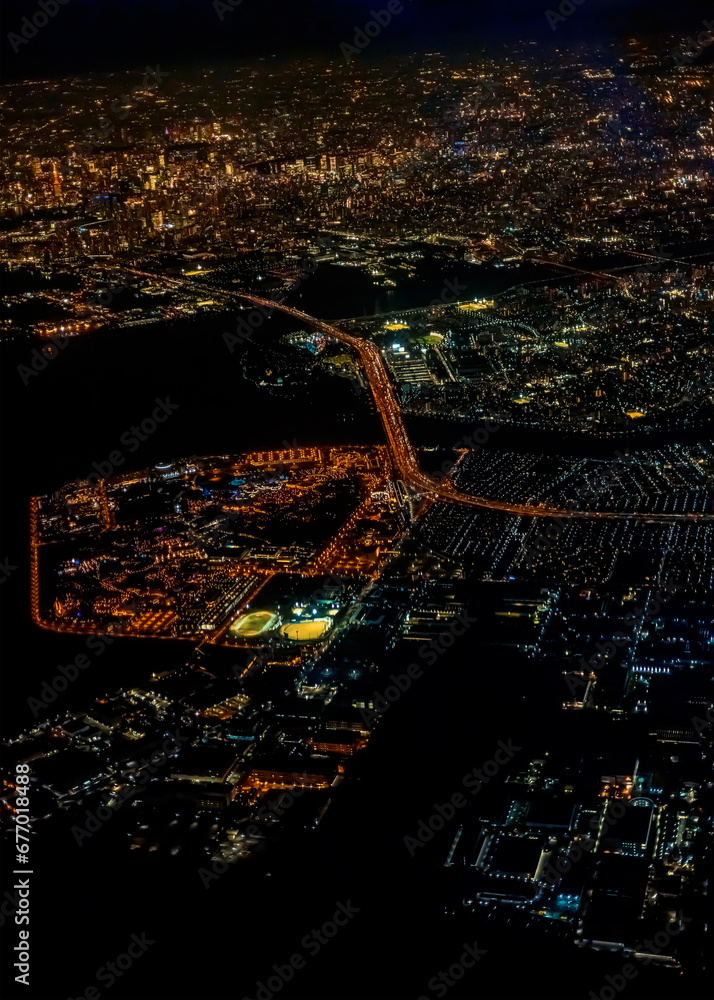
[253, 624]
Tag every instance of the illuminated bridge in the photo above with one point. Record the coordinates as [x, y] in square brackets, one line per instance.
[402, 451]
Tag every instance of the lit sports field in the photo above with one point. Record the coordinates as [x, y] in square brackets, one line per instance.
[253, 624]
[308, 630]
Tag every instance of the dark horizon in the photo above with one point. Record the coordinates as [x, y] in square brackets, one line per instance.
[89, 36]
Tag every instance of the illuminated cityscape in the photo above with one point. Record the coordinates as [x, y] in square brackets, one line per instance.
[359, 501]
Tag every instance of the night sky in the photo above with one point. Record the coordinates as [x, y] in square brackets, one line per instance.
[88, 35]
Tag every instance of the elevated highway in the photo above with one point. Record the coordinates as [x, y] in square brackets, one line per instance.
[403, 452]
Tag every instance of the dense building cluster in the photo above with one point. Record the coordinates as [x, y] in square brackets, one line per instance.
[300, 592]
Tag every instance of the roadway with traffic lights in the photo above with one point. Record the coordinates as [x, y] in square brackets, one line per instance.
[403, 452]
